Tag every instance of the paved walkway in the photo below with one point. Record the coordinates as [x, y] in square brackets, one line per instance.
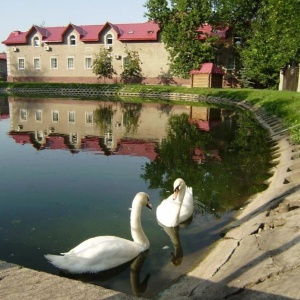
[258, 257]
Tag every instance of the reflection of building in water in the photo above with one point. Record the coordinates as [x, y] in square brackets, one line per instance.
[206, 118]
[108, 127]
[4, 109]
[103, 126]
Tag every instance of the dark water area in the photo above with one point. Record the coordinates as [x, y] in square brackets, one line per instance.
[70, 169]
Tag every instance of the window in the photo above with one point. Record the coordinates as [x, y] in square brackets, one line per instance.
[21, 64]
[39, 136]
[36, 63]
[88, 63]
[73, 138]
[72, 40]
[89, 118]
[70, 63]
[23, 114]
[71, 116]
[230, 62]
[55, 116]
[53, 63]
[38, 115]
[109, 39]
[36, 41]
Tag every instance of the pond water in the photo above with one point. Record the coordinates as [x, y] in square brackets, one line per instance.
[70, 169]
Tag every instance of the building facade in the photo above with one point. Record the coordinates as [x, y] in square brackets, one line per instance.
[66, 54]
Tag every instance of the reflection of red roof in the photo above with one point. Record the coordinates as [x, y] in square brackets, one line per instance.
[56, 142]
[137, 148]
[21, 138]
[5, 116]
[91, 143]
[208, 68]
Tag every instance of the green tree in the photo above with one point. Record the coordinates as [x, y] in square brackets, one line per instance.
[275, 42]
[132, 72]
[178, 21]
[102, 65]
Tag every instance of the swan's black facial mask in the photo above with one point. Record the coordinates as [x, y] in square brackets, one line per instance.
[149, 205]
[176, 191]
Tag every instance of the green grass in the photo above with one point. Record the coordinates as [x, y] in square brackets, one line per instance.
[283, 104]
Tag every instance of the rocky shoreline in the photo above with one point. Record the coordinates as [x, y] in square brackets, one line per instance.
[258, 257]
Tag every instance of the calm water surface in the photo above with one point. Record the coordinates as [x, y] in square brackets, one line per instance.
[70, 169]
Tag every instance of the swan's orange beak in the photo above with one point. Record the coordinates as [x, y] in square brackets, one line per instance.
[175, 194]
[149, 205]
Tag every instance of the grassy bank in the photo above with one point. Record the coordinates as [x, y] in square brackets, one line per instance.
[283, 104]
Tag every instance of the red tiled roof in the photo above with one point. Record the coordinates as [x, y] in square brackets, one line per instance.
[21, 138]
[207, 30]
[91, 144]
[137, 148]
[89, 33]
[3, 56]
[56, 142]
[208, 68]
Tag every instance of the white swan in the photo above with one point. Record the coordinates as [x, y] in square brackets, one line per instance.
[187, 207]
[105, 252]
[168, 213]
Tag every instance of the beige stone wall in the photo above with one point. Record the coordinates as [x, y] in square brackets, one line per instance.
[153, 56]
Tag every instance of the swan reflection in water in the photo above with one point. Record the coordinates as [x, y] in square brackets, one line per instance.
[173, 233]
[138, 287]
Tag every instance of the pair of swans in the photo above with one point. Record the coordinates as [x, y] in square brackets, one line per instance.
[106, 252]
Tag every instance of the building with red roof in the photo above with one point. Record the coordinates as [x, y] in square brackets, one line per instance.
[66, 53]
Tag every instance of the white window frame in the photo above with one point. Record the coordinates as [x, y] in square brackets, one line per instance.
[88, 62]
[38, 115]
[109, 39]
[72, 40]
[36, 63]
[21, 63]
[71, 116]
[23, 114]
[69, 66]
[51, 65]
[89, 118]
[36, 41]
[54, 114]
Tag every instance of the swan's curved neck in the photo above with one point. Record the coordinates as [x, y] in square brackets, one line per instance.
[137, 232]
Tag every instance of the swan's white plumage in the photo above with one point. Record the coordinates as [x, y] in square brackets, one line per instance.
[168, 213]
[187, 207]
[106, 252]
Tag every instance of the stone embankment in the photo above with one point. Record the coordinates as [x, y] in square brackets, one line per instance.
[257, 258]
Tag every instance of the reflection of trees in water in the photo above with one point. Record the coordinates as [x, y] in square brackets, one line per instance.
[218, 186]
[103, 117]
[131, 116]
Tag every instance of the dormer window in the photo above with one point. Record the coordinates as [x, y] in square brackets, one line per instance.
[109, 39]
[72, 40]
[131, 32]
[36, 41]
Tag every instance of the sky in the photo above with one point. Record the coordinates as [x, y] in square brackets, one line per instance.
[22, 14]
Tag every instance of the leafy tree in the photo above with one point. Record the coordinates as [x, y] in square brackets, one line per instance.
[178, 21]
[102, 65]
[275, 42]
[132, 72]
